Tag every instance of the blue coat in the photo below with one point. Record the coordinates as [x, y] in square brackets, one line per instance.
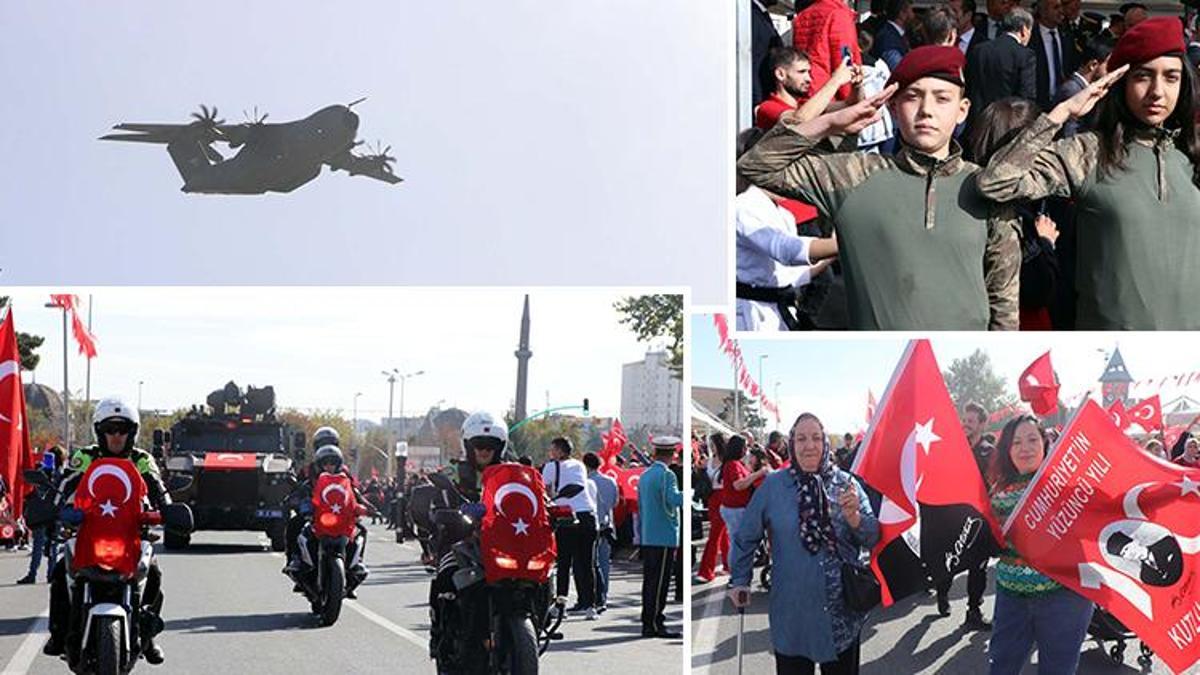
[807, 614]
[659, 501]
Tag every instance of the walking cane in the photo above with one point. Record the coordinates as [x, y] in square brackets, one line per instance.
[741, 630]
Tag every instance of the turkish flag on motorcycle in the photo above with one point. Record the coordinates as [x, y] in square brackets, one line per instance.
[335, 508]
[110, 496]
[1120, 527]
[935, 516]
[515, 538]
[1147, 413]
[15, 448]
[1039, 387]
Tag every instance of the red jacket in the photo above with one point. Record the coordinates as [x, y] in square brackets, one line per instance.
[821, 31]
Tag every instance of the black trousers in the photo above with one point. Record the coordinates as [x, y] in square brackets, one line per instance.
[656, 578]
[846, 664]
[976, 585]
[577, 554]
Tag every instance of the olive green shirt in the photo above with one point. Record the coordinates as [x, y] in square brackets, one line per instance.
[920, 248]
[1138, 228]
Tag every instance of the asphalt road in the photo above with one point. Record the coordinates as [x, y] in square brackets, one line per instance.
[908, 637]
[230, 610]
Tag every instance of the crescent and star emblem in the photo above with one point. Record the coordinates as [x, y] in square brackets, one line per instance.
[520, 525]
[8, 369]
[108, 509]
[335, 487]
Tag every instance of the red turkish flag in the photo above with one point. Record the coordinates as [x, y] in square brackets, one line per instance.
[335, 508]
[1039, 387]
[85, 340]
[1147, 413]
[1120, 527]
[110, 495]
[935, 513]
[1118, 415]
[15, 448]
[628, 482]
[515, 537]
[871, 406]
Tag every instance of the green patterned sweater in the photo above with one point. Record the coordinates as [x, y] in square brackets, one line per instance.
[1013, 574]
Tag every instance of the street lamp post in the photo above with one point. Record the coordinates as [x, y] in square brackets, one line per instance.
[391, 379]
[66, 388]
[140, 382]
[403, 380]
[354, 433]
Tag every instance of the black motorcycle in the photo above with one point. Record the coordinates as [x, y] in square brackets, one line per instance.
[479, 626]
[331, 546]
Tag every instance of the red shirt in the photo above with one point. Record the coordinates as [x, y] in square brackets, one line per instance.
[731, 496]
[767, 113]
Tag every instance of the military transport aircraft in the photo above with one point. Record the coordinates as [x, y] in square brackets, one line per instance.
[272, 158]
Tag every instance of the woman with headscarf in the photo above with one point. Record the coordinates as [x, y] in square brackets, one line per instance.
[817, 517]
[1031, 609]
[1135, 180]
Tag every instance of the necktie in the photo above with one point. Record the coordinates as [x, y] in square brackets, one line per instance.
[1055, 62]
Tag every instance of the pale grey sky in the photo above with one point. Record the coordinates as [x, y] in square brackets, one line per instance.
[546, 143]
[320, 346]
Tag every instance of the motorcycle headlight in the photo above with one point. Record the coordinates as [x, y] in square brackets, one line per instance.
[506, 562]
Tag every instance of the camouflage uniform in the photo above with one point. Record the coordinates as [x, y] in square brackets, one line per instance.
[920, 249]
[1138, 229]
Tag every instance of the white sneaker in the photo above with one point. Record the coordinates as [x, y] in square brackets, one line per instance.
[591, 614]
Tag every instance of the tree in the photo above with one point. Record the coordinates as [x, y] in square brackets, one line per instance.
[748, 416]
[972, 379]
[656, 316]
[26, 344]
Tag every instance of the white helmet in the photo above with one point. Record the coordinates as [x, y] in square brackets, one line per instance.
[115, 408]
[484, 424]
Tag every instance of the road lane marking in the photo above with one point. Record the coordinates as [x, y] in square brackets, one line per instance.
[704, 637]
[38, 632]
[378, 620]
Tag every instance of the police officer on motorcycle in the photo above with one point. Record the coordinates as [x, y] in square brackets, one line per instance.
[116, 426]
[327, 459]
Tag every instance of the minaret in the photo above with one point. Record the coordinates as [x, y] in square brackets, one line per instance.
[522, 355]
[1114, 383]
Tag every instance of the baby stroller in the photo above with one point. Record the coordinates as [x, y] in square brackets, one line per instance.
[1105, 627]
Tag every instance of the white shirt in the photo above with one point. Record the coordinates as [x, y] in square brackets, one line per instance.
[1048, 48]
[769, 254]
[560, 474]
[964, 40]
[898, 27]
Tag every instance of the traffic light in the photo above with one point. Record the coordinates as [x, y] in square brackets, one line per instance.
[585, 406]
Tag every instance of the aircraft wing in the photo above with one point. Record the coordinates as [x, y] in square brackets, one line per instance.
[370, 166]
[165, 133]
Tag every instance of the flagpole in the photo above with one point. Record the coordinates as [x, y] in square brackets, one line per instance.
[66, 390]
[87, 389]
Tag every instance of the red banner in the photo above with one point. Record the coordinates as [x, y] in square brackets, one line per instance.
[1120, 527]
[935, 515]
[15, 448]
[745, 382]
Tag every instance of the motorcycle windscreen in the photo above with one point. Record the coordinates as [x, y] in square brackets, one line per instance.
[110, 496]
[515, 537]
[335, 510]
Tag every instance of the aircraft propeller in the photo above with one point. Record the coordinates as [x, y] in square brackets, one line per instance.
[207, 120]
[255, 119]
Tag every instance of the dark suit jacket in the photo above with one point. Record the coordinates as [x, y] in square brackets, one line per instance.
[888, 39]
[998, 69]
[763, 39]
[1069, 88]
[1069, 62]
[980, 36]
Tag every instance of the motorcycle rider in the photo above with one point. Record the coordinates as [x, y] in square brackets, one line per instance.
[484, 439]
[327, 459]
[115, 425]
[301, 494]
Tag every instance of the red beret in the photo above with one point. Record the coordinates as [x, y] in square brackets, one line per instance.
[945, 63]
[1147, 41]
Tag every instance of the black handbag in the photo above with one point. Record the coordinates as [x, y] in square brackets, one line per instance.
[860, 588]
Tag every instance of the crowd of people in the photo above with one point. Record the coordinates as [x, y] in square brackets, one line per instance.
[793, 506]
[964, 167]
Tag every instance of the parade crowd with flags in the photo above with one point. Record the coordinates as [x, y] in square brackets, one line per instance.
[1084, 516]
